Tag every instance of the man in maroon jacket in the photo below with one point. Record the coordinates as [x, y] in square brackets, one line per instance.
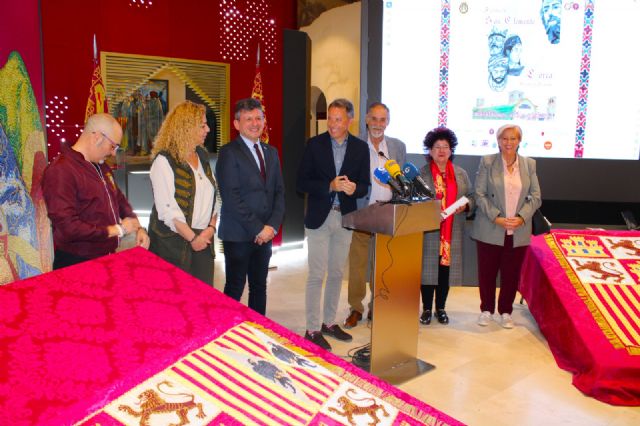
[88, 212]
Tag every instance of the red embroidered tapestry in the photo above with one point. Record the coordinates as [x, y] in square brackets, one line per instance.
[583, 289]
[128, 339]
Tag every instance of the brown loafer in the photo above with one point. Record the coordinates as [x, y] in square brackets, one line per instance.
[353, 319]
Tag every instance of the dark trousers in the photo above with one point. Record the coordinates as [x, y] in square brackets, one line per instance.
[63, 259]
[247, 260]
[441, 290]
[505, 259]
[202, 265]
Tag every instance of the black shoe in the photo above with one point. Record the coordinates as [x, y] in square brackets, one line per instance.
[336, 332]
[425, 318]
[317, 338]
[441, 314]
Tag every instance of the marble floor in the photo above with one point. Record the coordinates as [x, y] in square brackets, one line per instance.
[483, 375]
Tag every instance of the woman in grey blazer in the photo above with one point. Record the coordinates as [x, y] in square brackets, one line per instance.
[507, 194]
[442, 250]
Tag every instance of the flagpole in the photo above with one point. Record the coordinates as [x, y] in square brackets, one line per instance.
[97, 100]
[95, 49]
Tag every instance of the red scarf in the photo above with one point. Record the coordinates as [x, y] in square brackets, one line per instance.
[447, 193]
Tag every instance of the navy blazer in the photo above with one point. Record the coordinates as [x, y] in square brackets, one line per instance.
[317, 170]
[248, 202]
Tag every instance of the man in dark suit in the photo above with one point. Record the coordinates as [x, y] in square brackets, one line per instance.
[334, 173]
[252, 192]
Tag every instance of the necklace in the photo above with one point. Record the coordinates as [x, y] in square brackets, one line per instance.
[193, 157]
[512, 163]
[104, 184]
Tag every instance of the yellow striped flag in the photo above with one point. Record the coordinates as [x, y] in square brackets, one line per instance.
[97, 101]
[256, 93]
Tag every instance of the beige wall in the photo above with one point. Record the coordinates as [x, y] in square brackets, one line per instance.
[177, 91]
[335, 55]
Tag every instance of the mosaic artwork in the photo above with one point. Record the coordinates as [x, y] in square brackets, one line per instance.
[25, 232]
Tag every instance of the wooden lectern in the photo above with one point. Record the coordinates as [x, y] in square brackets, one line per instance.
[398, 231]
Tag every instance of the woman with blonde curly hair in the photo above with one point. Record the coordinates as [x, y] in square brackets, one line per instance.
[183, 218]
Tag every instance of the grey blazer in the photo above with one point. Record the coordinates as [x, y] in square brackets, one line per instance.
[431, 241]
[397, 151]
[490, 200]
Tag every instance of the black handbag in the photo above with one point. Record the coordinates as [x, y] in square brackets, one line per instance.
[540, 224]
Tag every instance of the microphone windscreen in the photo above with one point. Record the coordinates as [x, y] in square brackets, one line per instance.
[382, 175]
[393, 168]
[410, 170]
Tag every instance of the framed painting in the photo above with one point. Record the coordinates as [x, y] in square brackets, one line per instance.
[159, 89]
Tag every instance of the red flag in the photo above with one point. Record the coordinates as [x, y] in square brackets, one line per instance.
[256, 93]
[97, 101]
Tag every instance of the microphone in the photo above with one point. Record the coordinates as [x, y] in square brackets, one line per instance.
[394, 170]
[412, 173]
[383, 176]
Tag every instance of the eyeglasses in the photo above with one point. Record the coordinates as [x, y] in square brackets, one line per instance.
[115, 146]
[440, 147]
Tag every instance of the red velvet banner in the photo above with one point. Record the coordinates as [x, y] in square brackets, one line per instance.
[583, 289]
[130, 339]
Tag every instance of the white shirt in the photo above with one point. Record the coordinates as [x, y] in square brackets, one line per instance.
[250, 144]
[379, 191]
[162, 182]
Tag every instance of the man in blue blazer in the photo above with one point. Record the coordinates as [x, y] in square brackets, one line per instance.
[334, 173]
[252, 192]
[377, 120]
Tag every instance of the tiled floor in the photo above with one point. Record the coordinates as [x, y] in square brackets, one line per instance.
[483, 375]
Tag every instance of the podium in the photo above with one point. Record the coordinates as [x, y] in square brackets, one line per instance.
[398, 233]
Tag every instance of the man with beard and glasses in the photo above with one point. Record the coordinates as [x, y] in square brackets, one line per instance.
[550, 13]
[377, 120]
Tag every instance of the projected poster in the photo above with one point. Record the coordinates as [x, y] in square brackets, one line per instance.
[545, 65]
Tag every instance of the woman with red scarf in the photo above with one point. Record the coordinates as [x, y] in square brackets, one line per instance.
[442, 251]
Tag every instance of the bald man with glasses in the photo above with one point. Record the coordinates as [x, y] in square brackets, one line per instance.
[89, 214]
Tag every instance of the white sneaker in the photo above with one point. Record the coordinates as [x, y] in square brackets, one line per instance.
[507, 321]
[484, 319]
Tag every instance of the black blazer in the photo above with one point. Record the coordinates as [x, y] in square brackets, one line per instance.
[248, 203]
[317, 170]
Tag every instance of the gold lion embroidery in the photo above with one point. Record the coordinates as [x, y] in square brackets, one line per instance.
[151, 403]
[627, 245]
[598, 268]
[350, 409]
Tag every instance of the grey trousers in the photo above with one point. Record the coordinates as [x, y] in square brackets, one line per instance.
[328, 248]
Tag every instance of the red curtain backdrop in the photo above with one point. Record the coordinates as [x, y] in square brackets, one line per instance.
[190, 30]
[20, 31]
